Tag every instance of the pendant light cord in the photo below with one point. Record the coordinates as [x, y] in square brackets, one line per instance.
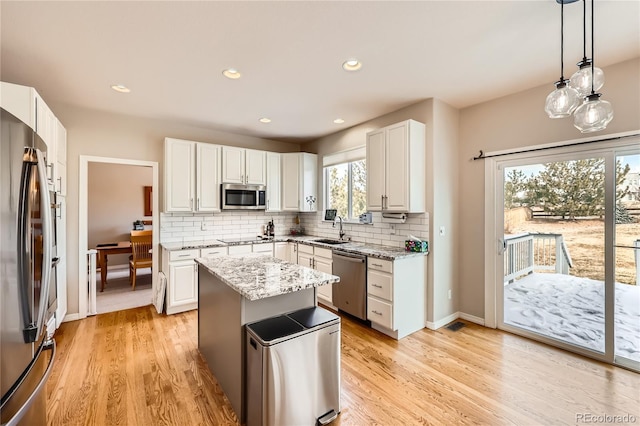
[592, 58]
[561, 42]
[584, 30]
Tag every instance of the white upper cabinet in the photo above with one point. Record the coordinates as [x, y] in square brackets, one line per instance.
[207, 177]
[395, 168]
[192, 176]
[61, 159]
[243, 166]
[299, 182]
[19, 101]
[274, 202]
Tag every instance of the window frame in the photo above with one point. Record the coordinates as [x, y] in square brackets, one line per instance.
[326, 189]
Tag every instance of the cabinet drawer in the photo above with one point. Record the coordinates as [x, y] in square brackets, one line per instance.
[240, 249]
[263, 248]
[323, 252]
[380, 264]
[175, 255]
[380, 312]
[213, 251]
[303, 248]
[380, 284]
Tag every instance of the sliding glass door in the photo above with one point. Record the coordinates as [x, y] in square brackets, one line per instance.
[570, 251]
[627, 260]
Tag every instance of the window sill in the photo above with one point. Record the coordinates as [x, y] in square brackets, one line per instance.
[347, 222]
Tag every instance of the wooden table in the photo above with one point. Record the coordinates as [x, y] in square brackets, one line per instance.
[122, 247]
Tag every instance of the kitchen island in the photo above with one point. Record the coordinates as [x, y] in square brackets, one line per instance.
[234, 291]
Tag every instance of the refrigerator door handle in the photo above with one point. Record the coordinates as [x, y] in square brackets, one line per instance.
[29, 326]
[47, 240]
[48, 345]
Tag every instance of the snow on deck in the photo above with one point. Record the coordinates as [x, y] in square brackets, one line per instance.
[571, 309]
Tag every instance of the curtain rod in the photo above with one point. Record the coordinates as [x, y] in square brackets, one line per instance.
[482, 155]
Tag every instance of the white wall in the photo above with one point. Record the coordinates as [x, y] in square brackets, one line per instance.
[441, 188]
[116, 199]
[101, 134]
[516, 121]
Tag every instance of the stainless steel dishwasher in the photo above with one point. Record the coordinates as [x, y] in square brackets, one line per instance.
[350, 294]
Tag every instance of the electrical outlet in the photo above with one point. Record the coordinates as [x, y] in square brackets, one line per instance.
[449, 294]
[392, 229]
[203, 226]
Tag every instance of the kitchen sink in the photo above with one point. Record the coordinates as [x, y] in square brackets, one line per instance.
[329, 241]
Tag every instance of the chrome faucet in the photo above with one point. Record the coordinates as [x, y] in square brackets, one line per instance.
[341, 232]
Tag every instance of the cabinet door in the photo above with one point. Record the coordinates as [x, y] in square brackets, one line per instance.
[273, 182]
[208, 178]
[182, 283]
[375, 169]
[293, 252]
[309, 182]
[290, 182]
[255, 167]
[61, 269]
[305, 259]
[179, 162]
[61, 158]
[281, 251]
[233, 165]
[397, 168]
[326, 266]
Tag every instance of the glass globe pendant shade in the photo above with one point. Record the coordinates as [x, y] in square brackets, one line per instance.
[561, 102]
[593, 115]
[581, 79]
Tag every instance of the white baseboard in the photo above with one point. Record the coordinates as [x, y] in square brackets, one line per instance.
[71, 317]
[471, 318]
[446, 320]
[442, 322]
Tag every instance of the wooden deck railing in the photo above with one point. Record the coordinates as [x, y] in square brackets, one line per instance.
[527, 253]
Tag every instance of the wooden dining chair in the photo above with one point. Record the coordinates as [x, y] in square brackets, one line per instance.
[140, 253]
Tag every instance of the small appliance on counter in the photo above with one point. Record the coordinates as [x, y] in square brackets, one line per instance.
[138, 225]
[365, 218]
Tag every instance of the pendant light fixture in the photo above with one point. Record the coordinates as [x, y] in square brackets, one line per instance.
[581, 79]
[564, 99]
[594, 114]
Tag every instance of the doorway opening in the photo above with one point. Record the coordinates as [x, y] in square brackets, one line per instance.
[113, 195]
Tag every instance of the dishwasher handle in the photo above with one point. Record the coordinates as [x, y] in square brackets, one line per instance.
[349, 257]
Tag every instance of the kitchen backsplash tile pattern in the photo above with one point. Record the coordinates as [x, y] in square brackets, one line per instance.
[181, 227]
[378, 232]
[187, 227]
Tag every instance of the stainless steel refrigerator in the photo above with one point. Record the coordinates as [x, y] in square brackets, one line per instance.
[27, 260]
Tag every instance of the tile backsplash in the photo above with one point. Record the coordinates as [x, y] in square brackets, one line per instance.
[181, 227]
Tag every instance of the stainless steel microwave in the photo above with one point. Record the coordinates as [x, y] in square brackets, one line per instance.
[236, 196]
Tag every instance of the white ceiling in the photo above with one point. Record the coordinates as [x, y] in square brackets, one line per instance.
[171, 55]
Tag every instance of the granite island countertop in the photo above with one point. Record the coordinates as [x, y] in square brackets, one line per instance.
[260, 277]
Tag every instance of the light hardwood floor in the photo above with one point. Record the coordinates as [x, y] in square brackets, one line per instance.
[136, 367]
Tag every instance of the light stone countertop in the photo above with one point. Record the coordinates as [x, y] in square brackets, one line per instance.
[371, 250]
[259, 277]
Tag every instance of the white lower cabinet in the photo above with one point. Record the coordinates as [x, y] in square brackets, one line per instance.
[181, 270]
[396, 303]
[320, 259]
[281, 251]
[263, 248]
[240, 249]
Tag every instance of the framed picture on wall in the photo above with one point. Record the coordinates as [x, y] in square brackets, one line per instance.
[148, 201]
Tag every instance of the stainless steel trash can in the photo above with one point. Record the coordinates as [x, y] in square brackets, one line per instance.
[293, 369]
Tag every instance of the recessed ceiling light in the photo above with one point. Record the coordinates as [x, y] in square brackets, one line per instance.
[352, 65]
[265, 120]
[121, 88]
[232, 73]
[338, 121]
